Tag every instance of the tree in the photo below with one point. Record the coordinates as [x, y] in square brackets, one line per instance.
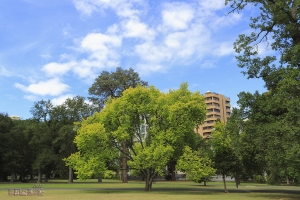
[124, 120]
[273, 132]
[63, 118]
[224, 157]
[6, 125]
[273, 116]
[42, 138]
[177, 102]
[94, 149]
[112, 84]
[196, 165]
[279, 20]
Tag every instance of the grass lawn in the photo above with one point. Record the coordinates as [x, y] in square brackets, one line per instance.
[111, 189]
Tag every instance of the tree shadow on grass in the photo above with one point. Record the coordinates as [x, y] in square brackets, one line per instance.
[267, 194]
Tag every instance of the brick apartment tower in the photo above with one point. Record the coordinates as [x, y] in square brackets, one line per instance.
[218, 107]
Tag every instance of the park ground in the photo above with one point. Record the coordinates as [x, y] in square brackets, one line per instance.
[134, 190]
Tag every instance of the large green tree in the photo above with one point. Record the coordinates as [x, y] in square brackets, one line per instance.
[111, 85]
[274, 134]
[273, 116]
[124, 121]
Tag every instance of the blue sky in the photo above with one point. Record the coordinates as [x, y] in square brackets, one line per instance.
[54, 49]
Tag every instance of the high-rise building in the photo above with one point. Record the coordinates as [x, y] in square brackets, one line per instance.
[14, 117]
[218, 107]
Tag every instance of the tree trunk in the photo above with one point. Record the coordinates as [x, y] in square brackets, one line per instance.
[173, 163]
[287, 181]
[149, 179]
[225, 188]
[124, 166]
[204, 182]
[46, 178]
[100, 179]
[39, 176]
[12, 177]
[70, 175]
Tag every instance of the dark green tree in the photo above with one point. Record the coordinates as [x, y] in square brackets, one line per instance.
[6, 125]
[42, 138]
[112, 84]
[225, 159]
[63, 118]
[277, 24]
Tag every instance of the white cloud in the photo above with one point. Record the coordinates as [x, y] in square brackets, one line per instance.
[123, 8]
[99, 42]
[53, 69]
[137, 29]
[85, 7]
[177, 16]
[51, 87]
[61, 99]
[182, 35]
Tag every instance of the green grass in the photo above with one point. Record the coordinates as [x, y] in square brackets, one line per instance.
[112, 189]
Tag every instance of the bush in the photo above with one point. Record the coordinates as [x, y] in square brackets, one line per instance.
[259, 179]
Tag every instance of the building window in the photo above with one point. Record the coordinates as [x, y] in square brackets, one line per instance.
[208, 98]
[216, 98]
[228, 113]
[217, 110]
[227, 102]
[217, 105]
[218, 116]
[207, 127]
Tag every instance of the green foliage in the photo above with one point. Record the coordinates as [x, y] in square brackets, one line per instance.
[259, 179]
[169, 120]
[195, 165]
[278, 20]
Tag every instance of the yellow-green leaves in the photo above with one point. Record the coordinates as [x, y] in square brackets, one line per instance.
[195, 165]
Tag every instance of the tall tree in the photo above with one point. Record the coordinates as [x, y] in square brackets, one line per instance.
[63, 118]
[112, 84]
[42, 138]
[224, 156]
[6, 125]
[277, 109]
